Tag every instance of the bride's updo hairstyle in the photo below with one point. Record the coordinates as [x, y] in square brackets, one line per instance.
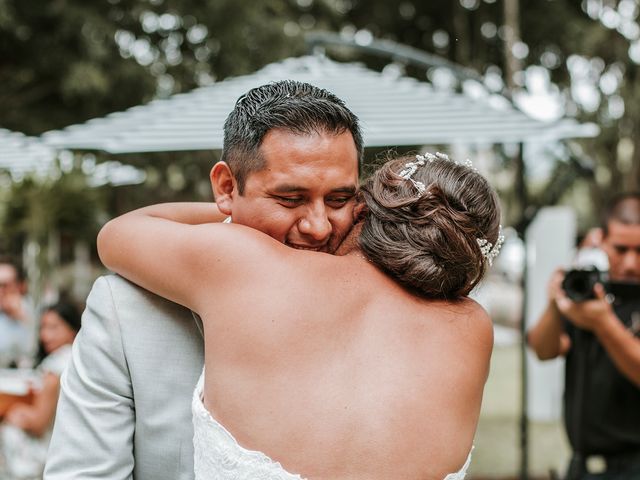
[428, 241]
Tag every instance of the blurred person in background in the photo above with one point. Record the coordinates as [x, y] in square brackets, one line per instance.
[17, 326]
[26, 428]
[600, 338]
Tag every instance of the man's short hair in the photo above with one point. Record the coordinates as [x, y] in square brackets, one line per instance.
[623, 208]
[290, 105]
[17, 267]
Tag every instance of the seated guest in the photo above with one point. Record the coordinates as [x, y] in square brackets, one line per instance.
[17, 331]
[26, 428]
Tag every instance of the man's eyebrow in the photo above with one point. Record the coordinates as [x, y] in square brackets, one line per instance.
[291, 188]
[350, 189]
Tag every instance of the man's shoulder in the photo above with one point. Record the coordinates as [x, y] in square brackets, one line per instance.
[131, 300]
[120, 285]
[148, 324]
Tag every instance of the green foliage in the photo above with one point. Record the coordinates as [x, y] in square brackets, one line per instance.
[66, 61]
[34, 208]
[556, 34]
[61, 66]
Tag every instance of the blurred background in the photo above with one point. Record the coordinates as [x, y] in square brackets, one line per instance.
[549, 91]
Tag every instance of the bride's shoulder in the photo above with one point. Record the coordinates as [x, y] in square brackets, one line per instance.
[477, 312]
[467, 324]
[464, 310]
[479, 323]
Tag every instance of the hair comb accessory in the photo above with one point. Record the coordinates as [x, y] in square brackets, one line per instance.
[421, 160]
[410, 168]
[430, 157]
[469, 164]
[489, 250]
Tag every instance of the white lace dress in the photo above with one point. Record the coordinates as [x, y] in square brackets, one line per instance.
[218, 456]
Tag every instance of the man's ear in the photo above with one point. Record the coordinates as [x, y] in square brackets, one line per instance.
[359, 212]
[223, 185]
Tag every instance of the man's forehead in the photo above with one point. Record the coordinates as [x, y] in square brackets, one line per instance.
[8, 272]
[280, 144]
[622, 234]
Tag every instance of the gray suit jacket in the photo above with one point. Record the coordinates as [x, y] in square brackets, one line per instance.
[125, 404]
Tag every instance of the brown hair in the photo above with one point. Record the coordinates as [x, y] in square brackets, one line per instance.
[428, 242]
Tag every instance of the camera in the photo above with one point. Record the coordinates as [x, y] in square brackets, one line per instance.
[578, 284]
[590, 266]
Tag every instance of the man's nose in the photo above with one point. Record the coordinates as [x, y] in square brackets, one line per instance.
[631, 263]
[315, 223]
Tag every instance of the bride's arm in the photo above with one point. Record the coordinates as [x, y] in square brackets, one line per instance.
[190, 213]
[176, 251]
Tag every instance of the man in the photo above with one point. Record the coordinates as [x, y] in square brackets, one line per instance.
[289, 168]
[601, 341]
[17, 327]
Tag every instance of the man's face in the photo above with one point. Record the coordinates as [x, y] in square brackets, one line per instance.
[8, 281]
[622, 245]
[305, 195]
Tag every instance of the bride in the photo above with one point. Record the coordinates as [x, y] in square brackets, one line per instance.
[367, 365]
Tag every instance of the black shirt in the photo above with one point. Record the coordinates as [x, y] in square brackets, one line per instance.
[602, 407]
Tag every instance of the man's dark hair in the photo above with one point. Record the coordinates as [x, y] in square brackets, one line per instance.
[290, 105]
[623, 208]
[17, 266]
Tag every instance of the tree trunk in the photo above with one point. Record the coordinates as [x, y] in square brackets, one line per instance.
[461, 50]
[512, 25]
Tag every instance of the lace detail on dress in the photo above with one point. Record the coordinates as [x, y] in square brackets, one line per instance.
[218, 456]
[463, 471]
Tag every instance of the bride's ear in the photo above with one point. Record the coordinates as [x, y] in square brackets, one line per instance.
[224, 186]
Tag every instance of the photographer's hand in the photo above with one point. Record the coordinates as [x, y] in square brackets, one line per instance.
[598, 317]
[547, 338]
[588, 315]
[554, 288]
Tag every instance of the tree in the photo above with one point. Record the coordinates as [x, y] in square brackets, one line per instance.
[60, 64]
[66, 61]
[587, 46]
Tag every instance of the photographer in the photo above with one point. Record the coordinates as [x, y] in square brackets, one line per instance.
[601, 340]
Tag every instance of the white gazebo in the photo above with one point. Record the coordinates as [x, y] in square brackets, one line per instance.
[20, 154]
[394, 111]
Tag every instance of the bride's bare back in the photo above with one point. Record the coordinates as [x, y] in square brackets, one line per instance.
[329, 367]
[326, 364]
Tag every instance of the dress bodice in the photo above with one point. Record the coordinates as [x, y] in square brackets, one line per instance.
[217, 454]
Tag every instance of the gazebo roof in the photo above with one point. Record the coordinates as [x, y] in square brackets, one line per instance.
[20, 154]
[393, 111]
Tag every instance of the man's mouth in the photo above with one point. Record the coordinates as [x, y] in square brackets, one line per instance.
[316, 248]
